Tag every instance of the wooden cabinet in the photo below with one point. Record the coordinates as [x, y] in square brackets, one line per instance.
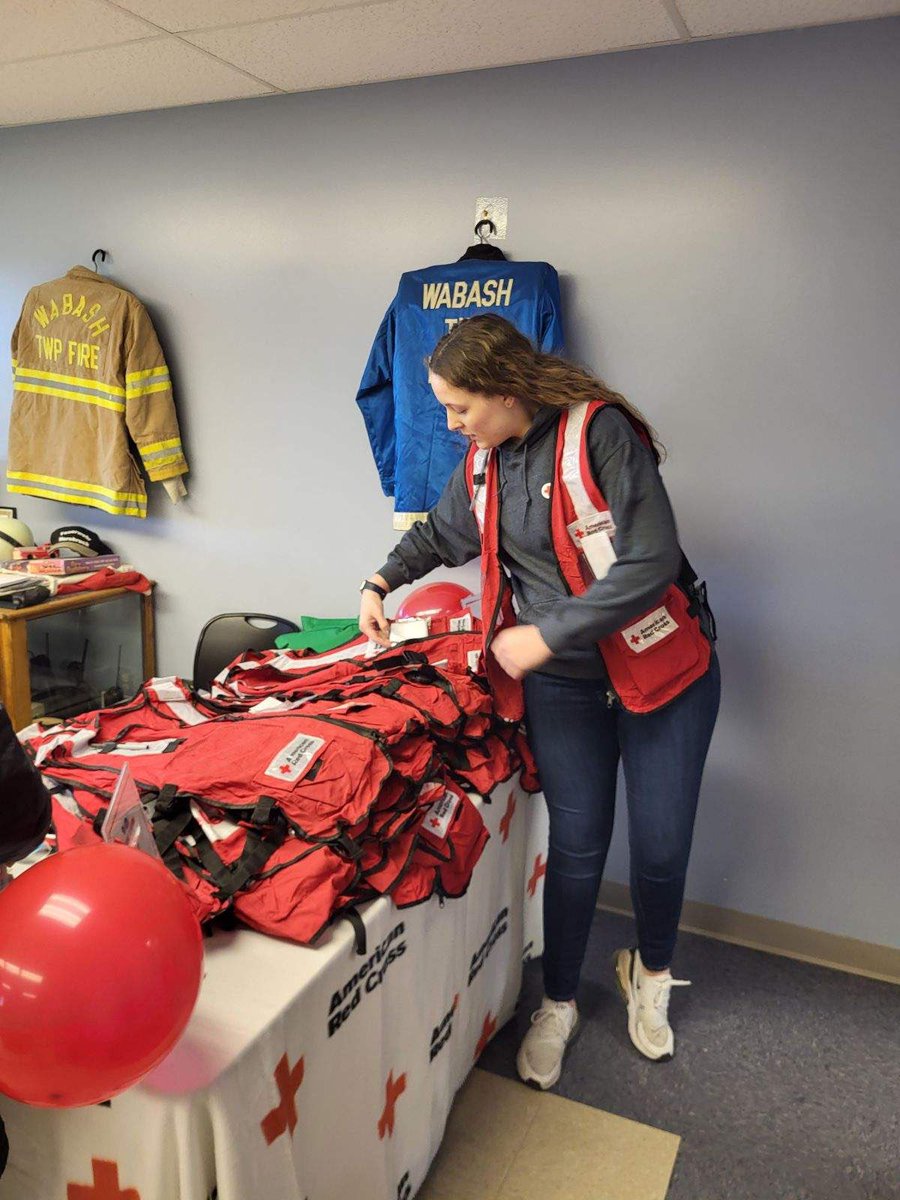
[75, 653]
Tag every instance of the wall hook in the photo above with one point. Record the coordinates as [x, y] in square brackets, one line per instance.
[490, 224]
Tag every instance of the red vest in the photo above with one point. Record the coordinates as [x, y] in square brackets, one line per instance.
[649, 661]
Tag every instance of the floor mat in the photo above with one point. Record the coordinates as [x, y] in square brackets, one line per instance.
[505, 1141]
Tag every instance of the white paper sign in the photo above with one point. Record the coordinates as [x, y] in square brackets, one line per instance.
[126, 821]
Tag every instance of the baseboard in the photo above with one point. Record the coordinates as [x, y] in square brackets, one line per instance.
[775, 937]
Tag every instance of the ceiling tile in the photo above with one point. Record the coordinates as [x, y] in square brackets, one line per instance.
[718, 18]
[403, 38]
[159, 73]
[179, 15]
[32, 28]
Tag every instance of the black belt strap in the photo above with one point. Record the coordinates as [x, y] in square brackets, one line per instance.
[270, 830]
[698, 601]
[359, 929]
[171, 817]
[231, 879]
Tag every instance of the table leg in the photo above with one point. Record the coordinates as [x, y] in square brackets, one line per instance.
[15, 673]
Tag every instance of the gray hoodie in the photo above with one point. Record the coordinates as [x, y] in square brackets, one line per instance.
[646, 541]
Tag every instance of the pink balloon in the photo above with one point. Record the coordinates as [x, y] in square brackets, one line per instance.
[100, 965]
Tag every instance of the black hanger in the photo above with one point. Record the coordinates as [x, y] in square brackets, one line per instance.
[104, 255]
[483, 249]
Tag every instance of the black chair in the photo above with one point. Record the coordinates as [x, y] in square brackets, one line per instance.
[226, 636]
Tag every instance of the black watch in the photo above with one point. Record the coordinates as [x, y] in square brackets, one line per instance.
[368, 586]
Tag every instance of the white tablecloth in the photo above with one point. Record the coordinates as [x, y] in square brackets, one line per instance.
[312, 1074]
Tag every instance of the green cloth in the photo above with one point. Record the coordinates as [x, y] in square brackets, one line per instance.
[320, 634]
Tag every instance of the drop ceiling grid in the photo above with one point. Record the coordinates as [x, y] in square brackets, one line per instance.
[182, 16]
[39, 28]
[406, 38]
[64, 59]
[158, 72]
[729, 18]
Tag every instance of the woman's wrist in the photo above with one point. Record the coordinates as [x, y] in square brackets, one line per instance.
[375, 583]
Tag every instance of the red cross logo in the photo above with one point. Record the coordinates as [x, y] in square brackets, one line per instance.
[635, 639]
[285, 768]
[105, 1185]
[488, 1029]
[435, 823]
[284, 1116]
[393, 1090]
[540, 870]
[507, 817]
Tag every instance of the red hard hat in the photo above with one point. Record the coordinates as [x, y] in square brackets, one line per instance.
[440, 599]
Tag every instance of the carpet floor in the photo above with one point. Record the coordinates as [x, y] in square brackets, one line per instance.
[785, 1083]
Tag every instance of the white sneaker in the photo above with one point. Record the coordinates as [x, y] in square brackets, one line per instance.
[540, 1056]
[647, 997]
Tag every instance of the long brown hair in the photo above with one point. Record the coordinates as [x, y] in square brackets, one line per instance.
[487, 354]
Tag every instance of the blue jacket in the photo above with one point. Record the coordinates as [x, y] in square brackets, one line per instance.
[414, 450]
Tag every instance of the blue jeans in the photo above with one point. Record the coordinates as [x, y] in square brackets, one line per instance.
[577, 741]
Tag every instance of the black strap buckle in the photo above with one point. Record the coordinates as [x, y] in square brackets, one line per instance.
[699, 608]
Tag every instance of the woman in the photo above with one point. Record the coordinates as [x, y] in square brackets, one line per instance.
[560, 494]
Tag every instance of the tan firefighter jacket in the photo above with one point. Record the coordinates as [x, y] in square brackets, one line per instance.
[90, 385]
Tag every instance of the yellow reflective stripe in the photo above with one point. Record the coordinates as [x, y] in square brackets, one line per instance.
[41, 390]
[77, 486]
[163, 462]
[89, 501]
[133, 375]
[75, 380]
[131, 392]
[14, 361]
[151, 447]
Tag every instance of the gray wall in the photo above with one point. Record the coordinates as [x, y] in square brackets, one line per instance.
[724, 217]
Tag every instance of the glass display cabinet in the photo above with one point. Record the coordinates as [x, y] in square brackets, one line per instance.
[75, 653]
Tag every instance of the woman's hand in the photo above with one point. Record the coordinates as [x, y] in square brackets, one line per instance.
[520, 649]
[372, 621]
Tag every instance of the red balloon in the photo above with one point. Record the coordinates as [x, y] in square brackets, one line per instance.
[100, 966]
[441, 599]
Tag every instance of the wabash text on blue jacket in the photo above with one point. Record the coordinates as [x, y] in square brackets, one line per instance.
[414, 450]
